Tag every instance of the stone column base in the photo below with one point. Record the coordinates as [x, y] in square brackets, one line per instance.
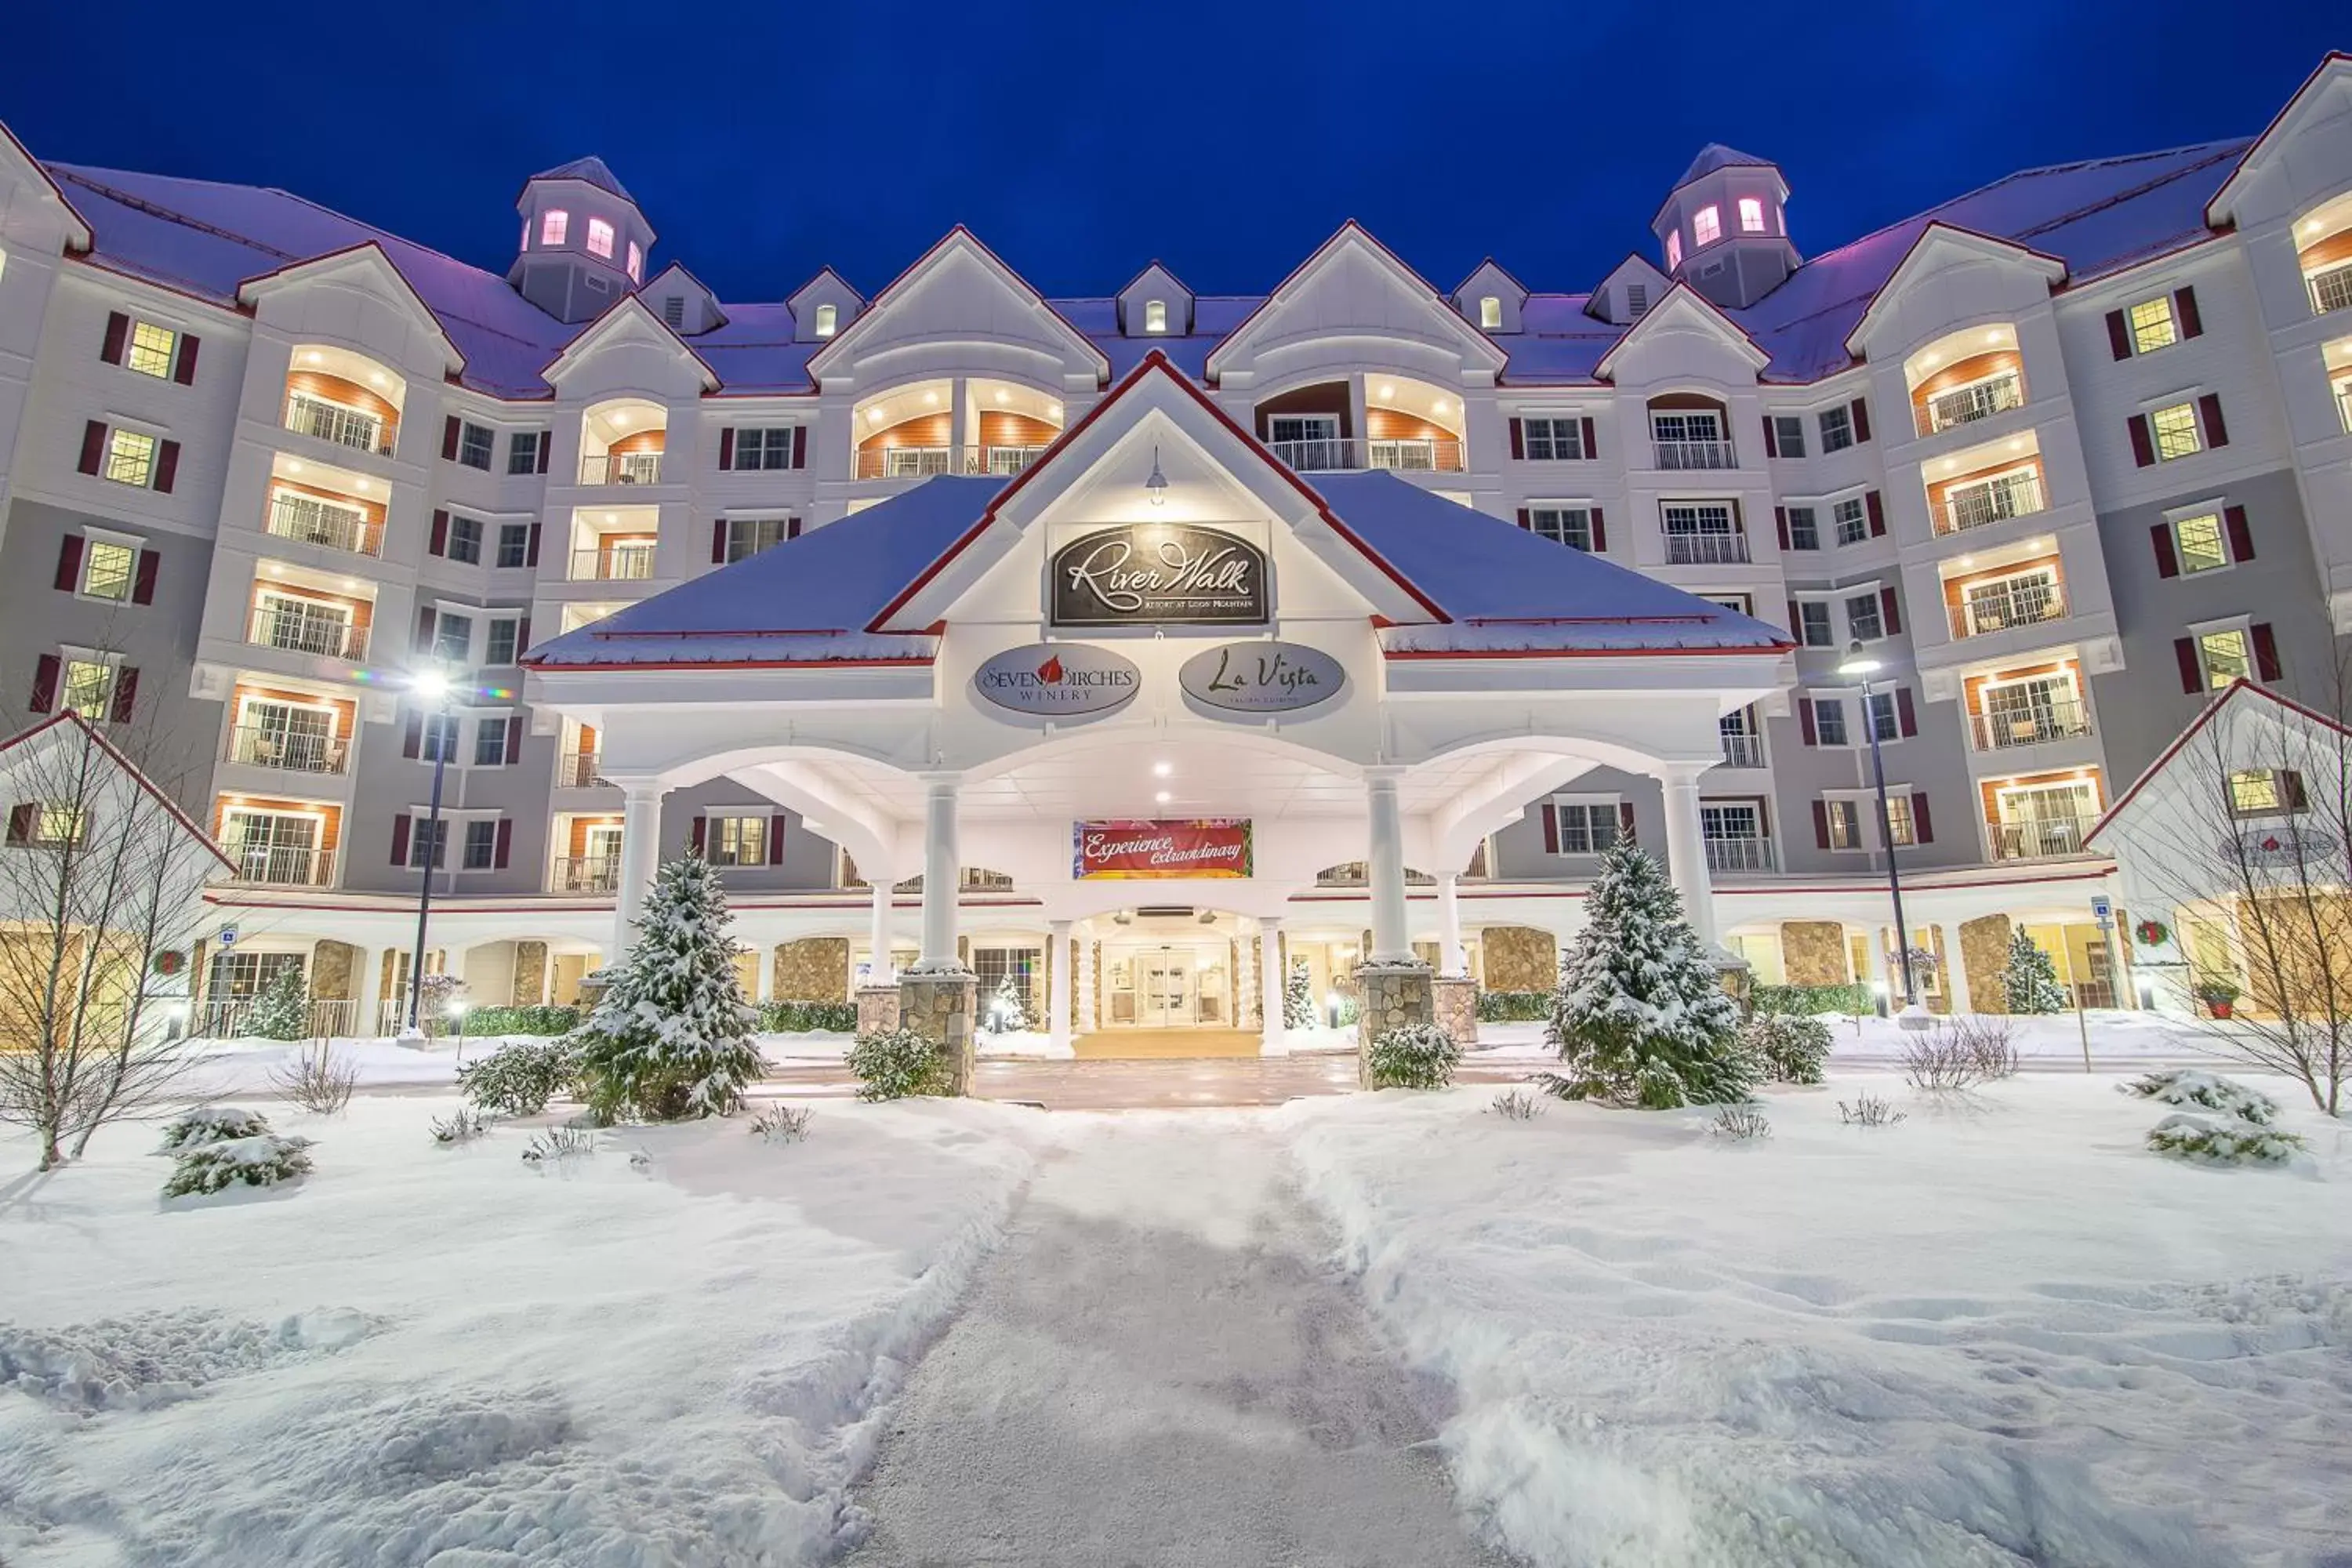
[877, 1008]
[944, 1006]
[1453, 1002]
[1390, 997]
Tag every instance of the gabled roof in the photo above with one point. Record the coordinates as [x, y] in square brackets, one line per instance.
[2219, 210]
[1352, 232]
[591, 170]
[628, 311]
[2244, 693]
[1472, 277]
[1147, 269]
[2051, 268]
[1682, 297]
[371, 254]
[820, 274]
[958, 239]
[1715, 155]
[67, 716]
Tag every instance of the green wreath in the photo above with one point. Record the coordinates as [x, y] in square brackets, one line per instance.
[2151, 933]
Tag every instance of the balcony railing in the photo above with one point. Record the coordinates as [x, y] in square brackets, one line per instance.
[1739, 855]
[1408, 455]
[585, 874]
[1695, 454]
[618, 563]
[352, 427]
[1706, 549]
[905, 462]
[2332, 289]
[1001, 461]
[291, 750]
[1994, 501]
[622, 468]
[298, 631]
[1743, 750]
[283, 865]
[2039, 841]
[577, 770]
[231, 1018]
[2032, 725]
[1966, 404]
[2019, 604]
[310, 520]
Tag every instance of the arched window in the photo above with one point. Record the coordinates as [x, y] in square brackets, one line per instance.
[828, 320]
[1490, 312]
[553, 225]
[600, 239]
[1155, 315]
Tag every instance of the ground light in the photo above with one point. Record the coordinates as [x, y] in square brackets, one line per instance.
[1861, 665]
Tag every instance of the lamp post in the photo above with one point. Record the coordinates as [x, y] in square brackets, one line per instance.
[428, 685]
[1861, 665]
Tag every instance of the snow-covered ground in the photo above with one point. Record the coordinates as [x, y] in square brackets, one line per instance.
[1998, 1332]
[2118, 1040]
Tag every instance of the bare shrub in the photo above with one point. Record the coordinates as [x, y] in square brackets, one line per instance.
[1939, 1060]
[317, 1080]
[1742, 1122]
[463, 1128]
[1991, 1043]
[1869, 1110]
[556, 1144]
[1515, 1105]
[783, 1124]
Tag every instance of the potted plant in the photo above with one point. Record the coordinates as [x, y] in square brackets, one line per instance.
[2219, 997]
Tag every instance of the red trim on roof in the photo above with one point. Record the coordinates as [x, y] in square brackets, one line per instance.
[1147, 267]
[65, 715]
[1600, 365]
[828, 271]
[88, 236]
[1483, 264]
[1913, 249]
[623, 303]
[2326, 61]
[874, 309]
[2204, 717]
[382, 255]
[1208, 364]
[922, 660]
[1774, 649]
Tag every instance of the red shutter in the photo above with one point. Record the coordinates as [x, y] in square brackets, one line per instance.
[792, 528]
[423, 628]
[1526, 522]
[183, 368]
[799, 445]
[437, 543]
[412, 742]
[530, 551]
[118, 331]
[1906, 721]
[1805, 719]
[20, 823]
[2168, 559]
[727, 448]
[2192, 673]
[45, 683]
[1796, 627]
[93, 447]
[2184, 305]
[126, 694]
[2266, 655]
[2241, 533]
[1551, 828]
[504, 846]
[701, 825]
[546, 446]
[1780, 520]
[1625, 818]
[1518, 440]
[1591, 445]
[776, 838]
[400, 838]
[449, 436]
[522, 637]
[719, 542]
[143, 587]
[1771, 446]
[2209, 409]
[1877, 509]
[2118, 335]
[1821, 824]
[1923, 826]
[167, 465]
[1862, 419]
[514, 739]
[2143, 447]
[1890, 611]
[1599, 532]
[68, 575]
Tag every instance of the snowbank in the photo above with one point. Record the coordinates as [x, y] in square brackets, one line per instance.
[1998, 1332]
[2118, 1039]
[424, 1355]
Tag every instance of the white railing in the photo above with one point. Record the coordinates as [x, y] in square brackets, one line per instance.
[292, 750]
[231, 1018]
[619, 564]
[1706, 549]
[905, 462]
[1743, 750]
[1684, 454]
[1417, 455]
[1966, 404]
[2025, 603]
[1319, 455]
[309, 416]
[1993, 501]
[1001, 461]
[2332, 289]
[1739, 855]
[577, 770]
[585, 874]
[2039, 839]
[308, 519]
[283, 865]
[297, 630]
[2030, 725]
[622, 468]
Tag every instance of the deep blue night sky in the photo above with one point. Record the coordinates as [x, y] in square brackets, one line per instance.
[1081, 139]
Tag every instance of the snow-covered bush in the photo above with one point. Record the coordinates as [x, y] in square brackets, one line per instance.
[553, 1145]
[1006, 1011]
[892, 1064]
[1869, 1110]
[802, 1018]
[2221, 1141]
[521, 1077]
[2207, 1091]
[462, 1128]
[317, 1080]
[1741, 1122]
[1639, 1017]
[1415, 1055]
[1298, 998]
[1790, 1048]
[282, 1009]
[1850, 1000]
[211, 1124]
[2029, 979]
[1514, 1007]
[671, 1036]
[527, 1020]
[1515, 1105]
[783, 1123]
[262, 1161]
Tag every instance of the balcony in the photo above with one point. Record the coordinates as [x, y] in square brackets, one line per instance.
[613, 563]
[1689, 454]
[905, 462]
[291, 750]
[1998, 607]
[283, 865]
[1739, 855]
[577, 770]
[2332, 289]
[1706, 548]
[352, 427]
[1966, 405]
[2046, 838]
[585, 874]
[309, 520]
[2033, 725]
[1410, 455]
[622, 468]
[1992, 500]
[297, 629]
[1743, 750]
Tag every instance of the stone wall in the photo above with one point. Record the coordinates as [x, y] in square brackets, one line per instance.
[814, 969]
[1455, 1002]
[335, 972]
[530, 965]
[1984, 954]
[1520, 958]
[1813, 953]
[1391, 995]
[943, 1007]
[877, 1008]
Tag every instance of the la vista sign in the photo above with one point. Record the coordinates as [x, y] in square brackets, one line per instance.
[1262, 677]
[1058, 681]
[1158, 573]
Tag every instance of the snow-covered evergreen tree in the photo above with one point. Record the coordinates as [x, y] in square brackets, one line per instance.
[282, 1010]
[671, 1036]
[1639, 1017]
[1007, 1011]
[1298, 998]
[2031, 979]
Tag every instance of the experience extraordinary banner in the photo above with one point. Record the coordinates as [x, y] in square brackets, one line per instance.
[1138, 848]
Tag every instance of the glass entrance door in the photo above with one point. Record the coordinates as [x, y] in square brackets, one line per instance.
[1169, 995]
[1166, 985]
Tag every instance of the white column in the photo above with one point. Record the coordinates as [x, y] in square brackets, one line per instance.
[640, 858]
[940, 875]
[962, 429]
[1270, 979]
[1452, 959]
[1089, 1006]
[877, 934]
[1384, 862]
[1686, 854]
[1057, 986]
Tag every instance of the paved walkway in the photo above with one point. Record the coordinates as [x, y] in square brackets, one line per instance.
[1160, 1368]
[1143, 1084]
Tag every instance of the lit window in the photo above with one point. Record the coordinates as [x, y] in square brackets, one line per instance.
[1837, 428]
[1673, 250]
[1549, 440]
[2226, 657]
[1863, 621]
[2199, 542]
[828, 318]
[149, 349]
[1490, 312]
[738, 840]
[2267, 792]
[106, 569]
[1853, 519]
[600, 238]
[1899, 828]
[130, 458]
[2151, 325]
[1845, 819]
[553, 225]
[1751, 215]
[2176, 431]
[1707, 226]
[637, 262]
[88, 682]
[1572, 526]
[1155, 315]
[60, 824]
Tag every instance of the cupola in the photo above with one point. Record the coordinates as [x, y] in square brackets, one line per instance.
[584, 243]
[1724, 229]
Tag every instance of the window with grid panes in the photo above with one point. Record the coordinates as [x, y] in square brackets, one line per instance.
[427, 842]
[747, 536]
[1587, 828]
[1829, 721]
[1884, 717]
[1844, 818]
[88, 682]
[514, 544]
[2198, 544]
[1804, 532]
[1789, 434]
[452, 637]
[1851, 517]
[1549, 440]
[1700, 517]
[1862, 618]
[481, 845]
[736, 841]
[522, 451]
[106, 569]
[465, 541]
[2151, 325]
[501, 648]
[1837, 428]
[233, 976]
[2266, 792]
[1814, 628]
[149, 348]
[2176, 431]
[764, 448]
[130, 458]
[437, 737]
[475, 443]
[490, 742]
[1900, 832]
[1729, 819]
[1572, 526]
[2227, 656]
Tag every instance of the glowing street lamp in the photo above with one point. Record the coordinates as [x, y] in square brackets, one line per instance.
[1860, 665]
[429, 685]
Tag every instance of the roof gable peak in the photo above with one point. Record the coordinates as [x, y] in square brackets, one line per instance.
[1352, 236]
[958, 241]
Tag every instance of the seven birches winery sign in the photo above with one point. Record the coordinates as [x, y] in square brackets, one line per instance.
[1139, 849]
[1160, 573]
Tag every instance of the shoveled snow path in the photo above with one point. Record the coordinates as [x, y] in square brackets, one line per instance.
[1162, 1366]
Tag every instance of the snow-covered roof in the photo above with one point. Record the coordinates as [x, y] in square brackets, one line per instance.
[31, 743]
[593, 171]
[1715, 155]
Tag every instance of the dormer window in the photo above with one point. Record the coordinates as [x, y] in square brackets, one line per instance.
[1707, 226]
[1490, 312]
[1751, 215]
[553, 225]
[637, 262]
[1673, 250]
[1155, 315]
[828, 320]
[600, 239]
